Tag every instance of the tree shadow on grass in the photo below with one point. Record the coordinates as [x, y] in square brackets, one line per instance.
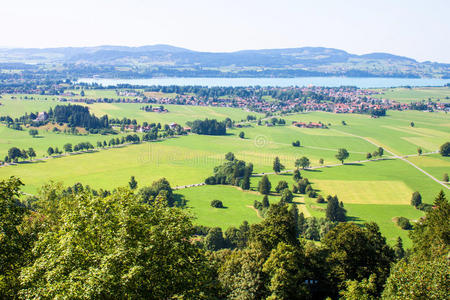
[353, 164]
[180, 201]
[384, 158]
[353, 219]
[312, 170]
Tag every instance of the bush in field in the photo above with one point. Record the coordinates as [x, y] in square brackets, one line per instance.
[217, 204]
[404, 223]
[445, 149]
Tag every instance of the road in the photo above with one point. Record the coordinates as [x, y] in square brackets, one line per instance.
[403, 158]
[332, 165]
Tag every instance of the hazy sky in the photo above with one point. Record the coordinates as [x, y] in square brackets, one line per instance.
[416, 28]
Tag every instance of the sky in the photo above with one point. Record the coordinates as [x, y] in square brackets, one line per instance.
[419, 29]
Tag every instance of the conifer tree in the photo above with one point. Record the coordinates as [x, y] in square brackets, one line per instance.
[264, 185]
[277, 166]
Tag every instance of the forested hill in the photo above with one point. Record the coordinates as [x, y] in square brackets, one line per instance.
[165, 60]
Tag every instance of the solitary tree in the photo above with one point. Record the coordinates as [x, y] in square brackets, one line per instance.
[321, 161]
[297, 176]
[412, 124]
[50, 151]
[133, 183]
[416, 199]
[445, 179]
[33, 132]
[241, 134]
[296, 143]
[342, 155]
[445, 149]
[277, 166]
[369, 155]
[264, 185]
[302, 162]
[419, 151]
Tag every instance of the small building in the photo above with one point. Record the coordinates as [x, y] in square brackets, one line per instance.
[42, 116]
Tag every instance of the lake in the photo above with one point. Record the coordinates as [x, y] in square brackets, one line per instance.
[281, 82]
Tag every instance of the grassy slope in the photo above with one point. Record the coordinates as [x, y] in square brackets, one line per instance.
[23, 140]
[177, 113]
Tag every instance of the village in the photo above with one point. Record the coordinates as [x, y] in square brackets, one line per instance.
[339, 100]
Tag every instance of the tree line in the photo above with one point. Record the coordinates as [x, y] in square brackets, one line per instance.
[208, 127]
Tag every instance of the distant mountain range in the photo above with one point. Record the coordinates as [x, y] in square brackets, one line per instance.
[165, 60]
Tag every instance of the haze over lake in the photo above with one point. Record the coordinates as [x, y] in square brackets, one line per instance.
[299, 81]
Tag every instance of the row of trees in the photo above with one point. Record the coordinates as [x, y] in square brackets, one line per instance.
[379, 152]
[80, 244]
[14, 154]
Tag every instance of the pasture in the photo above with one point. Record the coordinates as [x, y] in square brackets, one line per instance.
[237, 205]
[371, 191]
[415, 94]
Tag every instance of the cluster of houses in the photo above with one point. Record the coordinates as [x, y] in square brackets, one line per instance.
[157, 109]
[147, 128]
[311, 98]
[309, 125]
[337, 100]
[122, 93]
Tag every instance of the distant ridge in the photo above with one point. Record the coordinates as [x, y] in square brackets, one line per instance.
[167, 60]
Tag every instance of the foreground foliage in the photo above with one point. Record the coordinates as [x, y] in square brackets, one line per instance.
[80, 243]
[113, 247]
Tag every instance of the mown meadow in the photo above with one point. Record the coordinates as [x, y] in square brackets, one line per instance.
[371, 191]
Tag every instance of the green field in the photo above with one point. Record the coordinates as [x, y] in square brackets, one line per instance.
[238, 205]
[415, 94]
[372, 191]
[177, 113]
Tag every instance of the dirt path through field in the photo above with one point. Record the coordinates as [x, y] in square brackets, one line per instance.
[373, 142]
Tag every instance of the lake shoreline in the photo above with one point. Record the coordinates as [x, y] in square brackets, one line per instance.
[360, 82]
